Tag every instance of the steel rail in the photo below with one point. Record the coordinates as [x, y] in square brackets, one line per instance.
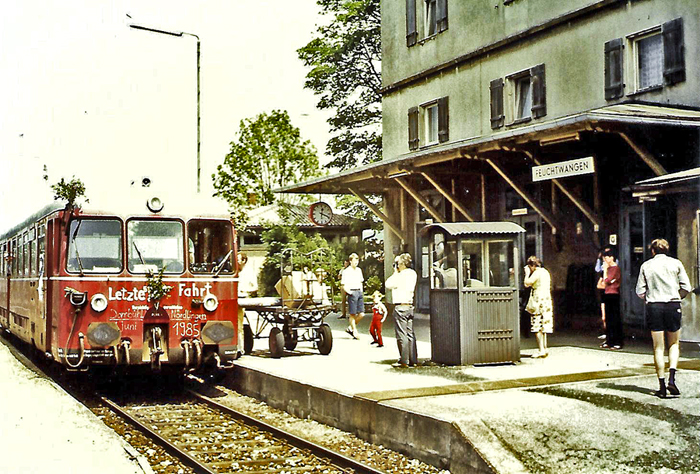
[172, 449]
[340, 460]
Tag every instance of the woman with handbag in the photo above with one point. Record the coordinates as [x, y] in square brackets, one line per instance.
[540, 304]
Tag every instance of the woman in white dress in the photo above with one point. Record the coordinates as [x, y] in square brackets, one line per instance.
[540, 303]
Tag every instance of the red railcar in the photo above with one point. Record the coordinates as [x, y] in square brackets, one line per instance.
[82, 285]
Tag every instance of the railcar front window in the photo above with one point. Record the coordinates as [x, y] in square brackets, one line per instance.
[95, 246]
[210, 246]
[155, 245]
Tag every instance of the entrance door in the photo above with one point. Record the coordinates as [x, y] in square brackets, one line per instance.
[529, 243]
[630, 259]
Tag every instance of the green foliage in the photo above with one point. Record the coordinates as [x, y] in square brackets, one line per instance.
[345, 62]
[268, 153]
[69, 191]
[157, 290]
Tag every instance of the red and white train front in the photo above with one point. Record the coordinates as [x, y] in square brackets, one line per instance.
[151, 290]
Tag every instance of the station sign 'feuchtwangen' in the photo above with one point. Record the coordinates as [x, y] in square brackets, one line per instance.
[563, 169]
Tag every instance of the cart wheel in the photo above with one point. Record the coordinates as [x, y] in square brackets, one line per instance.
[325, 339]
[276, 343]
[290, 339]
[247, 339]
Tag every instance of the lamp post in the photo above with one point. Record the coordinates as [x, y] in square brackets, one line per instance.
[181, 33]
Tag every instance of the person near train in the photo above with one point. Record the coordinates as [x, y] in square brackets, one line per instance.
[402, 284]
[352, 283]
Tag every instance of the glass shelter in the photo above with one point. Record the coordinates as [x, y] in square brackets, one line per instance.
[474, 281]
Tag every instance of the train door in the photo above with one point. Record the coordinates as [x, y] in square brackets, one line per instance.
[632, 253]
[5, 284]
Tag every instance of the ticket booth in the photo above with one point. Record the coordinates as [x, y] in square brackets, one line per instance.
[474, 281]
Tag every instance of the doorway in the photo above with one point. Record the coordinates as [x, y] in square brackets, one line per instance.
[631, 257]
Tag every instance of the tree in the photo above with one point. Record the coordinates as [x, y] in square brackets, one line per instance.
[345, 61]
[269, 153]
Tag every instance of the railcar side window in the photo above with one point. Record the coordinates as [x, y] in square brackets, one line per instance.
[94, 246]
[210, 246]
[153, 245]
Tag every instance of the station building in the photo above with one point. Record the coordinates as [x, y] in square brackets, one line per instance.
[552, 115]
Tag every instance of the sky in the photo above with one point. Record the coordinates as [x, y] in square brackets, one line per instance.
[85, 95]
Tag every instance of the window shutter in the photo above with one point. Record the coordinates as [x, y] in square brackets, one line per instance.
[441, 15]
[443, 119]
[614, 85]
[413, 140]
[674, 51]
[497, 117]
[539, 91]
[411, 31]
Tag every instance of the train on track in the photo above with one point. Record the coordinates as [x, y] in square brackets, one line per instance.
[141, 284]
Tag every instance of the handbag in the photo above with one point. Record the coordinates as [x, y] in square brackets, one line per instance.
[531, 304]
[601, 284]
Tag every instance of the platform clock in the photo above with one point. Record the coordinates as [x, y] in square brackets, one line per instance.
[320, 213]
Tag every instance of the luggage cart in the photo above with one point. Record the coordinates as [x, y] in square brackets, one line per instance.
[298, 315]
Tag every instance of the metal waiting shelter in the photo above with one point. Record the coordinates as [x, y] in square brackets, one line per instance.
[474, 283]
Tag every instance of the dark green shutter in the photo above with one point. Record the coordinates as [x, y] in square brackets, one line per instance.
[539, 91]
[411, 31]
[413, 140]
[497, 116]
[614, 83]
[443, 119]
[441, 15]
[674, 51]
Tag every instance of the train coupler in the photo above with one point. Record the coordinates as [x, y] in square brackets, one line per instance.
[156, 346]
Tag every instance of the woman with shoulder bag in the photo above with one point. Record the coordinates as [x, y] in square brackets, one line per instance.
[540, 304]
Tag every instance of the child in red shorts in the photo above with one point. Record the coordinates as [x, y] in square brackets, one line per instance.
[379, 313]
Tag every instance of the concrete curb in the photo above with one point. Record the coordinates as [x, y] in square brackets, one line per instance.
[437, 442]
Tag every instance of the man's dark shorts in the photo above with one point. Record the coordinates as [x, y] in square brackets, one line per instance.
[664, 316]
[356, 303]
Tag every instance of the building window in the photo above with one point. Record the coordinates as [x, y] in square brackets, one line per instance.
[430, 124]
[656, 58]
[430, 17]
[523, 96]
[434, 14]
[649, 56]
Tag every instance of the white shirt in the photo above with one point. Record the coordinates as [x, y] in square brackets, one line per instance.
[402, 285]
[352, 279]
[660, 278]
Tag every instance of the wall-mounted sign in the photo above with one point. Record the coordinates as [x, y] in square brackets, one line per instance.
[563, 169]
[520, 212]
[613, 239]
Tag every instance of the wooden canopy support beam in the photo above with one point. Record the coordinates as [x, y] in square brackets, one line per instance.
[583, 207]
[448, 195]
[388, 222]
[549, 218]
[421, 200]
[645, 155]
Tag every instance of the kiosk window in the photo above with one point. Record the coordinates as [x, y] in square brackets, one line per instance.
[472, 264]
[501, 271]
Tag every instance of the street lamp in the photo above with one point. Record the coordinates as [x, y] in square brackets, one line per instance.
[181, 33]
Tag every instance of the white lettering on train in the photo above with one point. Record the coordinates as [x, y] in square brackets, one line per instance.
[194, 290]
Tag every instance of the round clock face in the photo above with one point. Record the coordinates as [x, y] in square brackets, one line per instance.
[320, 213]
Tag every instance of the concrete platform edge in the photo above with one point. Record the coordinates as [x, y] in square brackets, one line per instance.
[437, 442]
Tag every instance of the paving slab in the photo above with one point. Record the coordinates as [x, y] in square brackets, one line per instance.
[43, 429]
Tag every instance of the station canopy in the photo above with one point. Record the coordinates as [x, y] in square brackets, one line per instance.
[378, 177]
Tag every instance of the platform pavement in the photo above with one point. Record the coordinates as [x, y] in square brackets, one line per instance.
[582, 409]
[43, 429]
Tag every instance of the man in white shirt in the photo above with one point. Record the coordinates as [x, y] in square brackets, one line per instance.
[662, 284]
[402, 284]
[352, 282]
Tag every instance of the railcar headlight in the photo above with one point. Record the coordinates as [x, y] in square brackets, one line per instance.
[98, 302]
[154, 204]
[210, 302]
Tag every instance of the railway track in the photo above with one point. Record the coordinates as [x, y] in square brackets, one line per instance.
[212, 438]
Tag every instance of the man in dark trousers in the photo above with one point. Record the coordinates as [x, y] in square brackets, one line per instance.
[662, 284]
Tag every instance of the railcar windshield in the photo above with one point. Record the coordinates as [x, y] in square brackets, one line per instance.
[210, 245]
[154, 245]
[95, 246]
